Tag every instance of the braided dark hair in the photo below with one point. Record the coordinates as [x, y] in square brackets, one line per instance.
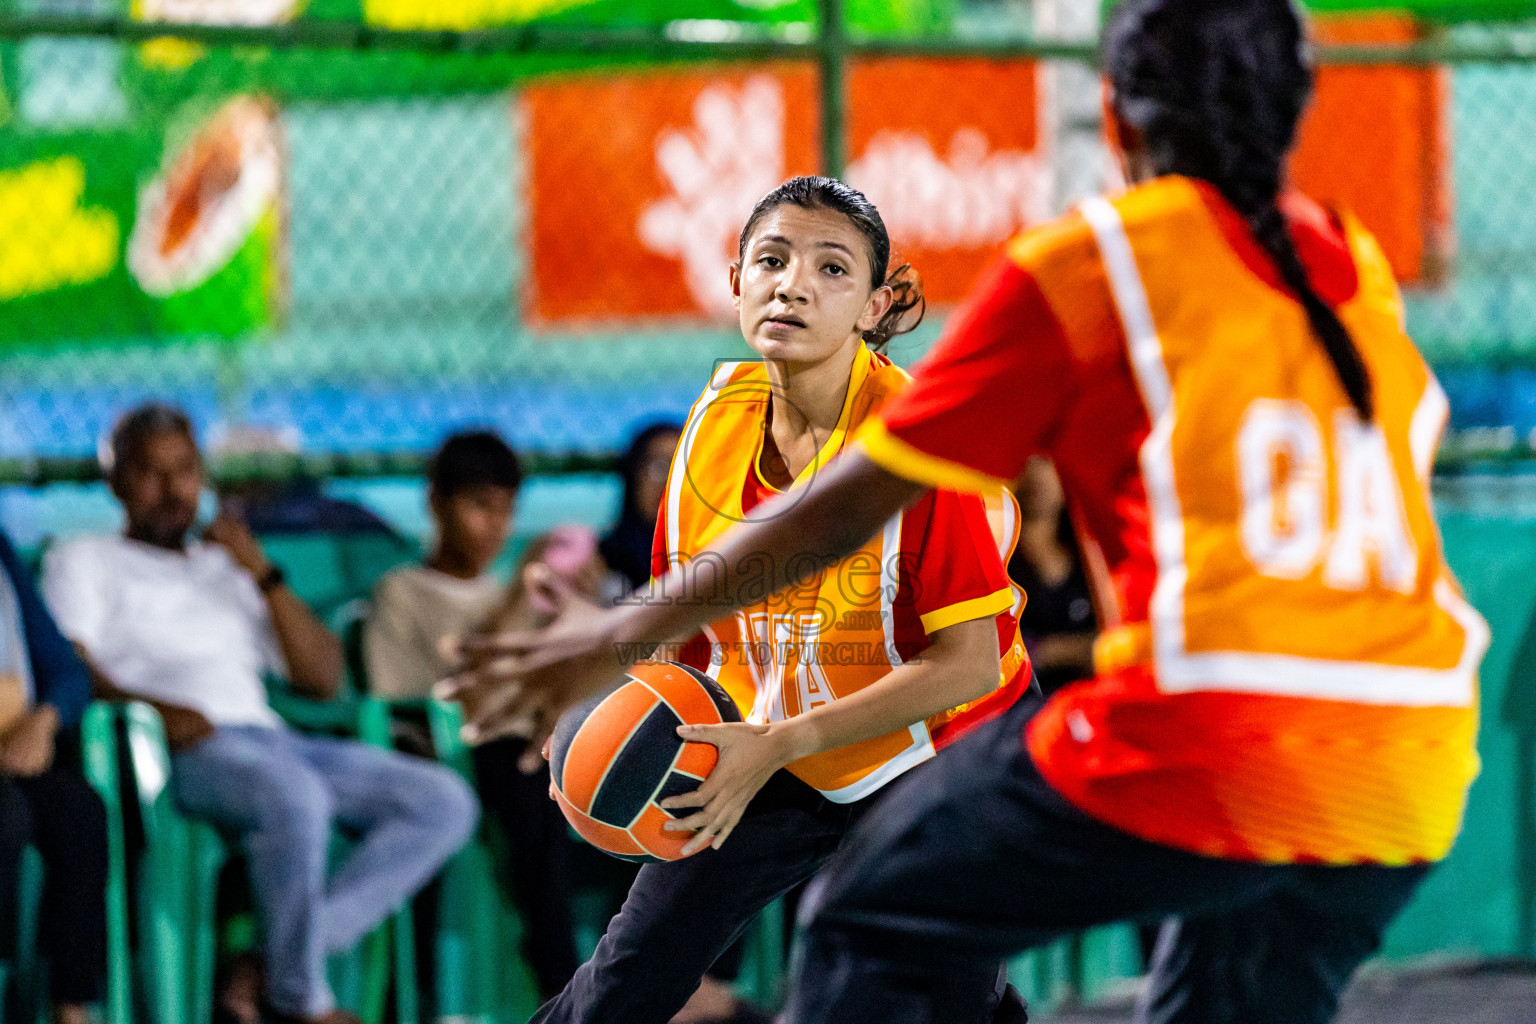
[813, 191]
[1216, 88]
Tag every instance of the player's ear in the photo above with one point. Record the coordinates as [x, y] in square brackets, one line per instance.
[1109, 119]
[875, 308]
[735, 271]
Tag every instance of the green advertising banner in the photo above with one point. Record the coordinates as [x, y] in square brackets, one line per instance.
[1438, 11]
[154, 229]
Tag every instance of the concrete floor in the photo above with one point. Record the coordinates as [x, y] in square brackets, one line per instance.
[1486, 993]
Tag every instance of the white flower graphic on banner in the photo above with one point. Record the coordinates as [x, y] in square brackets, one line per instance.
[220, 12]
[969, 198]
[718, 169]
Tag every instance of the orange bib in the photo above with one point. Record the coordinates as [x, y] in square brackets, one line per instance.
[829, 637]
[1313, 659]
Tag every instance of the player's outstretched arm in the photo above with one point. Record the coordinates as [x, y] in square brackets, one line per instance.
[509, 677]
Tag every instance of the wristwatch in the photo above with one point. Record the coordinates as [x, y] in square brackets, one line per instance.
[273, 578]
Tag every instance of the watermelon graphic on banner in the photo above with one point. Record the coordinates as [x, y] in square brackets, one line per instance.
[207, 226]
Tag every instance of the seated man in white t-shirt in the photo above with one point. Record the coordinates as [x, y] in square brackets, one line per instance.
[192, 627]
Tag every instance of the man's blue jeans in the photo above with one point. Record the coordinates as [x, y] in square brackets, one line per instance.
[282, 794]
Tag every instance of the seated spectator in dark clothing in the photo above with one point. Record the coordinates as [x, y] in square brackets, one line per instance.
[644, 467]
[1057, 623]
[302, 506]
[473, 481]
[44, 798]
[192, 627]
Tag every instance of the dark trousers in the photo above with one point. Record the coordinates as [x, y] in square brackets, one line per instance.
[539, 851]
[681, 915]
[977, 858]
[58, 813]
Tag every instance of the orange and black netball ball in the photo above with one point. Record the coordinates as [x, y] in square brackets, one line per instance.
[613, 760]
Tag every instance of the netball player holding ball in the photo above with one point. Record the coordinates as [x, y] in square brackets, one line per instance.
[845, 682]
[1280, 734]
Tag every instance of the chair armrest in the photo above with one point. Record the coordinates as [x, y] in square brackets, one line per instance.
[339, 715]
[148, 751]
[374, 715]
[98, 741]
[446, 719]
[373, 722]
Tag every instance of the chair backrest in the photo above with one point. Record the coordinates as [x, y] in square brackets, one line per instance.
[328, 571]
[348, 622]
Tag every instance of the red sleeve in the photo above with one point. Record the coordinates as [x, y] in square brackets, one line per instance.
[988, 395]
[661, 559]
[952, 570]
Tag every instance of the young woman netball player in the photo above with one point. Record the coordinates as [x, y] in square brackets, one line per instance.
[1279, 738]
[847, 681]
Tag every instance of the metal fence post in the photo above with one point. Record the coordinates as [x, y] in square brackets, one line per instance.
[832, 55]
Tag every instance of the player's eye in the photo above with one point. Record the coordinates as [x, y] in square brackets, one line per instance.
[835, 269]
[771, 262]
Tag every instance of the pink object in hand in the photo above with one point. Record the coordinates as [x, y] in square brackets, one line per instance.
[570, 549]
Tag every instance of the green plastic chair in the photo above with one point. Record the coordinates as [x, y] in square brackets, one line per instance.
[477, 925]
[330, 570]
[400, 952]
[177, 884]
[178, 889]
[1105, 959]
[762, 976]
[372, 719]
[99, 743]
[479, 975]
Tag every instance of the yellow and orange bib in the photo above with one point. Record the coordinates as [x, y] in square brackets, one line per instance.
[1304, 688]
[836, 634]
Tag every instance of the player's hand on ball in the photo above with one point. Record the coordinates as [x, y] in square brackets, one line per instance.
[749, 755]
[520, 682]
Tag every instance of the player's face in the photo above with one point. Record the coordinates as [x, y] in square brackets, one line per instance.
[803, 287]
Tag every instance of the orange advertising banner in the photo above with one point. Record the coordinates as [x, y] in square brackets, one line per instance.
[638, 184]
[951, 153]
[1376, 141]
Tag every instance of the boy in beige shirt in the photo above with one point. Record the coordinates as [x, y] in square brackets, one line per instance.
[473, 484]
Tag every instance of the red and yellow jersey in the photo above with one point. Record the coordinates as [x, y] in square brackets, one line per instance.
[1289, 669]
[936, 564]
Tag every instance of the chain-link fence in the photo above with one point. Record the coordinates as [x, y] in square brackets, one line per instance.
[337, 233]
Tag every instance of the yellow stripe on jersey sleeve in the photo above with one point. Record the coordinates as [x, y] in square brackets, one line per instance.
[889, 452]
[965, 611]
